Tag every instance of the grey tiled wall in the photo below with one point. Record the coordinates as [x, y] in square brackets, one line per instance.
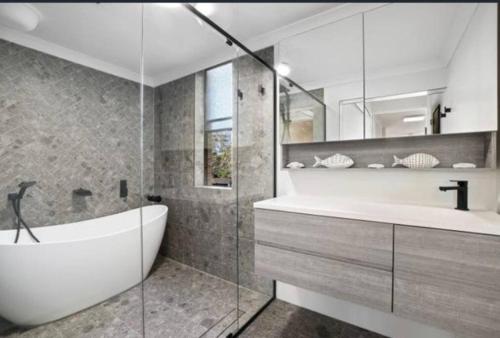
[203, 223]
[68, 126]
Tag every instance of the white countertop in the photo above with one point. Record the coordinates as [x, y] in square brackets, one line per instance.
[482, 222]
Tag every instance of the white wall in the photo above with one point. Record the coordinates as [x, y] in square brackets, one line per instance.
[391, 185]
[472, 77]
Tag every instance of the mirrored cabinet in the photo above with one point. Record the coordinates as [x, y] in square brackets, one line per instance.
[421, 76]
[430, 69]
[399, 70]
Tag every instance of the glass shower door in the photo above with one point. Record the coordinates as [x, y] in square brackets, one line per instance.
[255, 137]
[192, 288]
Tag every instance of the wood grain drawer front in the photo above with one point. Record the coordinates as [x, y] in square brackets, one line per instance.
[359, 242]
[359, 284]
[448, 279]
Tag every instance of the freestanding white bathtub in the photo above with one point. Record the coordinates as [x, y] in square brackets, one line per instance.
[75, 265]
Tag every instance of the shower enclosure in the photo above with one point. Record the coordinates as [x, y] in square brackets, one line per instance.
[149, 132]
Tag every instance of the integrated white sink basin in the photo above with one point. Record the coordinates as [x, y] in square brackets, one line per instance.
[483, 222]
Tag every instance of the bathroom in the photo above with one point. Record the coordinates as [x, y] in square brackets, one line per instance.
[249, 169]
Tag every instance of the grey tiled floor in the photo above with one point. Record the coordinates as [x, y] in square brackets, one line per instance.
[179, 302]
[283, 320]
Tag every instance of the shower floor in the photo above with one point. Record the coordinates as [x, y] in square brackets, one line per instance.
[179, 301]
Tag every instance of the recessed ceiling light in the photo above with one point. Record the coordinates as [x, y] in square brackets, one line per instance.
[206, 9]
[416, 118]
[169, 4]
[283, 69]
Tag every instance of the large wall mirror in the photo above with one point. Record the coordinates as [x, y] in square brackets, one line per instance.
[401, 70]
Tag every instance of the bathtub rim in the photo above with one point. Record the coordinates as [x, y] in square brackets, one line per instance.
[163, 207]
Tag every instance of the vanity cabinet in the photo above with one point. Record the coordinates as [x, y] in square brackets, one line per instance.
[441, 269]
[448, 279]
[344, 258]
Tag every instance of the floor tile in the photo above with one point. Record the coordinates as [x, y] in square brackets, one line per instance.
[179, 301]
[283, 320]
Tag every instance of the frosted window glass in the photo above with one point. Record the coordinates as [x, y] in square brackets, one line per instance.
[219, 92]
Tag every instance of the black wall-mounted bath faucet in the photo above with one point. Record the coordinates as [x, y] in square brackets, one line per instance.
[16, 198]
[462, 189]
[23, 186]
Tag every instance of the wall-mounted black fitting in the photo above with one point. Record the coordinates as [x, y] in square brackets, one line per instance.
[240, 94]
[229, 42]
[154, 198]
[446, 110]
[262, 90]
[123, 189]
[82, 192]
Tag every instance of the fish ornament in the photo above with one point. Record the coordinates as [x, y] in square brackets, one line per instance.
[464, 165]
[335, 161]
[417, 161]
[295, 165]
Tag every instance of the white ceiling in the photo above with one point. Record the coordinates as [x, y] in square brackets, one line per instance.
[107, 36]
[398, 38]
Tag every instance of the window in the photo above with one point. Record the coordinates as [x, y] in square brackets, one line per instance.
[218, 127]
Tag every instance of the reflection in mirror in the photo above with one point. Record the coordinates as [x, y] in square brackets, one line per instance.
[422, 69]
[351, 119]
[330, 59]
[412, 48]
[408, 114]
[302, 114]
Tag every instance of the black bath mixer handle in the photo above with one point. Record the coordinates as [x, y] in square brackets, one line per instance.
[82, 192]
[154, 198]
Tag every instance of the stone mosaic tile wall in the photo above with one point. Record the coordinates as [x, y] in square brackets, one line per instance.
[67, 126]
[203, 223]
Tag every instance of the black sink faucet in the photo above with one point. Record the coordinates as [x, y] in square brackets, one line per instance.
[462, 189]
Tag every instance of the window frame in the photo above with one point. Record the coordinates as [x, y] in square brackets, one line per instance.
[206, 123]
